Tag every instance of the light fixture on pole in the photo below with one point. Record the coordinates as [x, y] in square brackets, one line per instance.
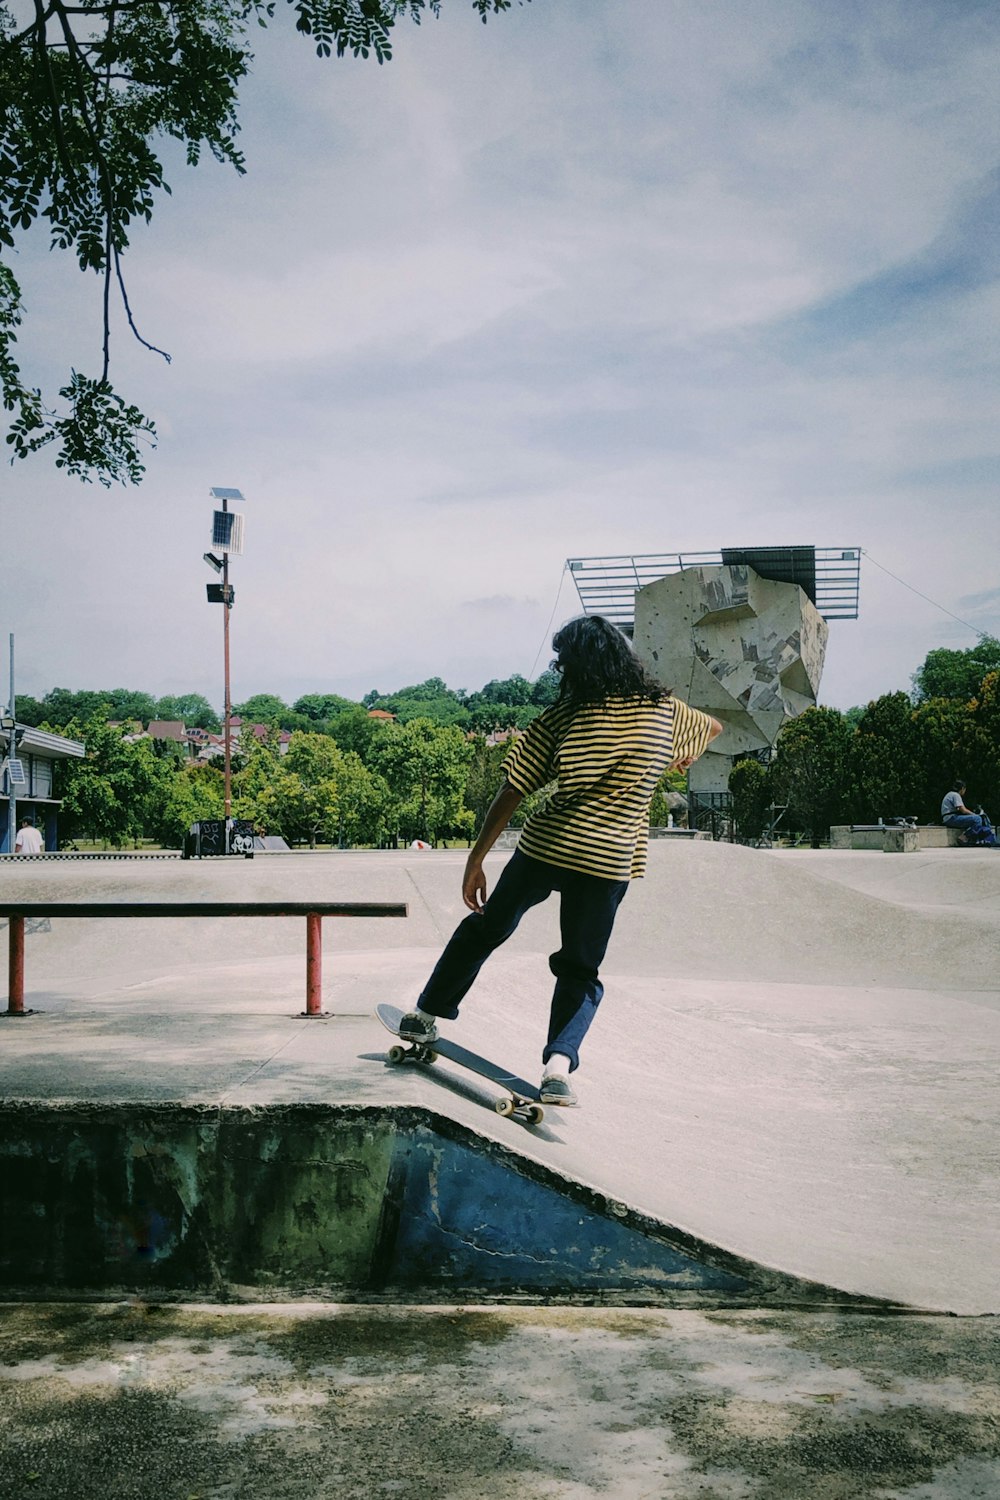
[227, 537]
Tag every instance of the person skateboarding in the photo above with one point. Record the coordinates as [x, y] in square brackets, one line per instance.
[604, 744]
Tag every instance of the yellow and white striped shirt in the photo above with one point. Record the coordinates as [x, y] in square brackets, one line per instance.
[606, 759]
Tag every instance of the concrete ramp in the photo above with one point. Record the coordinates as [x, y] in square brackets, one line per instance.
[792, 1071]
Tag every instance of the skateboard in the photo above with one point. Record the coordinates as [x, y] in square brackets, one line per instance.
[523, 1101]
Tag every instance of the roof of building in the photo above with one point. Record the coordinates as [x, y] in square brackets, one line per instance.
[166, 729]
[261, 732]
[41, 742]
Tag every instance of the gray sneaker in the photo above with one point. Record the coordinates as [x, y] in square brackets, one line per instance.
[557, 1091]
[417, 1027]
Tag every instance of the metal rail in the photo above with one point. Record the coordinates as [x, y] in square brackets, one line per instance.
[829, 575]
[313, 911]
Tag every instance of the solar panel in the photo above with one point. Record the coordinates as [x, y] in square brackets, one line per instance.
[227, 531]
[15, 771]
[219, 494]
[781, 564]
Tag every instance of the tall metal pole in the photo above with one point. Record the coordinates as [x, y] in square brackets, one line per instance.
[228, 703]
[11, 752]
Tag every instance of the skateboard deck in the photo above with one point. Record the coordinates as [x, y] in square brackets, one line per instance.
[523, 1100]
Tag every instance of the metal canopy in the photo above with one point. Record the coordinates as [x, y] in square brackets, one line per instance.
[830, 576]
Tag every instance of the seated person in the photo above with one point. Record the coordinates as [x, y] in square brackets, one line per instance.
[955, 814]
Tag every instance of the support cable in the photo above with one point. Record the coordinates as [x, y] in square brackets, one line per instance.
[982, 634]
[548, 629]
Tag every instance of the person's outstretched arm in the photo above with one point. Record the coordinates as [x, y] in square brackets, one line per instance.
[499, 814]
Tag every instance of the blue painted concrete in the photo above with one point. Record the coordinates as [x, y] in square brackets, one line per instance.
[466, 1217]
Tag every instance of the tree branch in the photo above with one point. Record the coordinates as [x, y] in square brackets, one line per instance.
[62, 149]
[128, 312]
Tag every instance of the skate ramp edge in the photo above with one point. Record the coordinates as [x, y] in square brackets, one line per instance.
[356, 1203]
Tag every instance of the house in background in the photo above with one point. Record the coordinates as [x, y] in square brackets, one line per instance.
[212, 747]
[37, 750]
[171, 730]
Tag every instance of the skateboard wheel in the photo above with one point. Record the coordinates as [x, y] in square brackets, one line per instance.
[396, 1054]
[536, 1114]
[504, 1107]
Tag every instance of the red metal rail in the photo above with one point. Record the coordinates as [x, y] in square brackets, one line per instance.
[313, 911]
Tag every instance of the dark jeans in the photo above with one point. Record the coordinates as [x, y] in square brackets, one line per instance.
[586, 916]
[967, 822]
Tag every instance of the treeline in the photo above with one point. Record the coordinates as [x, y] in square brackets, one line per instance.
[895, 757]
[428, 772]
[507, 703]
[344, 777]
[378, 784]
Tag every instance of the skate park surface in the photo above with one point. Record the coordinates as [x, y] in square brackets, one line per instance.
[795, 1060]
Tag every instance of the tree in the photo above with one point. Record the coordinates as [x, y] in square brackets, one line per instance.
[192, 793]
[956, 674]
[124, 703]
[812, 769]
[30, 710]
[432, 700]
[513, 690]
[193, 711]
[545, 689]
[493, 718]
[424, 765]
[750, 787]
[364, 803]
[354, 730]
[886, 768]
[262, 708]
[944, 732]
[315, 791]
[106, 795]
[63, 707]
[483, 777]
[317, 764]
[89, 91]
[256, 796]
[60, 706]
[982, 768]
[321, 707]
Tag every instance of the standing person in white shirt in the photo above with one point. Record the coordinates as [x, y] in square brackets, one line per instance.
[29, 840]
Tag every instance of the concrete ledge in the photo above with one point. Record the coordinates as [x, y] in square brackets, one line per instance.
[893, 839]
[349, 1202]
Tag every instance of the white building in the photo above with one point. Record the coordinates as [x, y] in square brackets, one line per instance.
[37, 751]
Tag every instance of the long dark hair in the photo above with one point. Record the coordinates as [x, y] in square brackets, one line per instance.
[596, 662]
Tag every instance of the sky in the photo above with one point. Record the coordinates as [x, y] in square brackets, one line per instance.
[592, 279]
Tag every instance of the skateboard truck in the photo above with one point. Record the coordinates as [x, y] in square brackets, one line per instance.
[522, 1101]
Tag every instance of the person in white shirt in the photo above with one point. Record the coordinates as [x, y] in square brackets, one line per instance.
[29, 840]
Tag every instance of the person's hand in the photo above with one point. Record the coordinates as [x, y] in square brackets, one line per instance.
[683, 765]
[474, 885]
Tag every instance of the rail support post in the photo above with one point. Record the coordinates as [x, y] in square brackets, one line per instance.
[15, 984]
[314, 967]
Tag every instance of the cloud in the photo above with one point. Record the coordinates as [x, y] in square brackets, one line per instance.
[499, 603]
[963, 258]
